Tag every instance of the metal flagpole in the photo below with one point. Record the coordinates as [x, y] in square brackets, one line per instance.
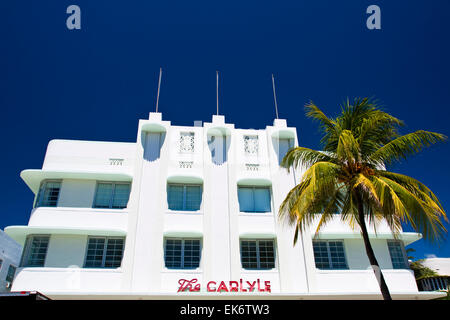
[217, 90]
[159, 86]
[274, 96]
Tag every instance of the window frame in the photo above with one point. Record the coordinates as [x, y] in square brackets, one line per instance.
[105, 249]
[184, 185]
[330, 261]
[41, 192]
[253, 191]
[24, 262]
[113, 193]
[258, 256]
[182, 239]
[403, 251]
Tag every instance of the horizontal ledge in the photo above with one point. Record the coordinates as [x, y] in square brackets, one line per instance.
[20, 233]
[263, 234]
[183, 233]
[97, 295]
[283, 134]
[153, 127]
[219, 130]
[70, 270]
[34, 177]
[185, 178]
[254, 181]
[406, 237]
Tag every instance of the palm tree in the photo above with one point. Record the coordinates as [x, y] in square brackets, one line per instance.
[420, 271]
[348, 177]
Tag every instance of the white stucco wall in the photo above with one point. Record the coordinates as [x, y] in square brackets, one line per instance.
[152, 162]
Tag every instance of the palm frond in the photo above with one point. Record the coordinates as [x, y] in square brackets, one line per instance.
[303, 157]
[405, 146]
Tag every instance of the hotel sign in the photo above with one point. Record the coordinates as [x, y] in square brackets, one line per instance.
[193, 285]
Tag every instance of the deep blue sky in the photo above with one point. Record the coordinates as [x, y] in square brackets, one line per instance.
[95, 83]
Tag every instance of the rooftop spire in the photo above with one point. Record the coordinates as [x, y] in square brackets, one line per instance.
[159, 86]
[274, 96]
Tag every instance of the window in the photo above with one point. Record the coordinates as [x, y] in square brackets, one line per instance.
[186, 197]
[258, 254]
[329, 254]
[48, 194]
[283, 147]
[254, 199]
[397, 255]
[112, 195]
[104, 252]
[251, 145]
[11, 273]
[187, 142]
[35, 251]
[182, 253]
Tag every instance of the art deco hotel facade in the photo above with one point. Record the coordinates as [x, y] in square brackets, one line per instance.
[189, 212]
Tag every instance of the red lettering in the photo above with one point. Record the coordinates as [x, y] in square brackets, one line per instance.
[187, 285]
[209, 288]
[234, 286]
[241, 287]
[251, 286]
[267, 284]
[259, 288]
[222, 286]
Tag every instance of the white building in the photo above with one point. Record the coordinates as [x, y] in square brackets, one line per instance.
[440, 282]
[139, 220]
[10, 252]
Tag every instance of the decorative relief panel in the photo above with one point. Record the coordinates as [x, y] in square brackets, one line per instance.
[115, 162]
[252, 167]
[251, 145]
[187, 142]
[186, 164]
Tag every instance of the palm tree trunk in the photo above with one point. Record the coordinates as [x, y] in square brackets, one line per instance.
[370, 254]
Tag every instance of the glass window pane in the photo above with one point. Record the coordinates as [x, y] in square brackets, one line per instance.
[191, 254]
[283, 148]
[175, 197]
[193, 198]
[121, 195]
[11, 273]
[266, 254]
[337, 255]
[262, 199]
[249, 256]
[103, 195]
[397, 256]
[48, 194]
[114, 252]
[94, 257]
[182, 253]
[321, 255]
[172, 254]
[246, 199]
[329, 254]
[36, 251]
